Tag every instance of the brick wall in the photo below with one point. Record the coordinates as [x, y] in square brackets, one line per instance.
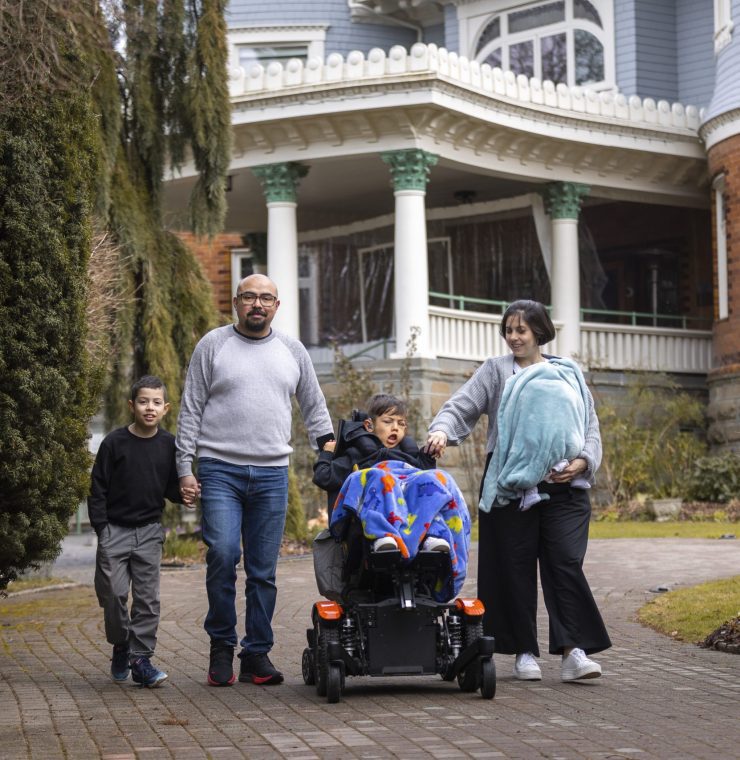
[215, 257]
[724, 381]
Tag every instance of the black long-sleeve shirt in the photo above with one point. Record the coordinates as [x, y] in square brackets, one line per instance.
[131, 478]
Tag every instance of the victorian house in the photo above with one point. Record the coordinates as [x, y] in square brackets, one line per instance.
[408, 167]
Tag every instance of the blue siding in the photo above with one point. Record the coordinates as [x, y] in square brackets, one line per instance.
[646, 59]
[695, 44]
[657, 62]
[435, 34]
[625, 45]
[342, 35]
[726, 95]
[452, 29]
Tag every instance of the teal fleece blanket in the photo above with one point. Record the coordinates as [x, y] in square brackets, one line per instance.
[542, 419]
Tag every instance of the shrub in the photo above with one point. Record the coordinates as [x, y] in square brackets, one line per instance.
[652, 441]
[715, 478]
[295, 520]
[47, 388]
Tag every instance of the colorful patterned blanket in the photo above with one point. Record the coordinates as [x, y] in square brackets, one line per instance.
[398, 500]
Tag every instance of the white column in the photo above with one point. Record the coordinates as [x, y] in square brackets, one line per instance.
[563, 203]
[280, 186]
[565, 285]
[410, 171]
[411, 275]
[282, 264]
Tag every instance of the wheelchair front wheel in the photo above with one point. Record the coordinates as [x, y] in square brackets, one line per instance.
[487, 679]
[334, 683]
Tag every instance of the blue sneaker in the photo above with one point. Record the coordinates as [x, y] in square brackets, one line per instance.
[144, 673]
[119, 666]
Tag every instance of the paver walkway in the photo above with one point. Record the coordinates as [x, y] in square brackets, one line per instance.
[658, 698]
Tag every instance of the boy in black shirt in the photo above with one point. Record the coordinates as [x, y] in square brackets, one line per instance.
[134, 471]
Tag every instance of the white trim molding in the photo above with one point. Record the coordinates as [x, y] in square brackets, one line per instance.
[723, 25]
[720, 128]
[718, 186]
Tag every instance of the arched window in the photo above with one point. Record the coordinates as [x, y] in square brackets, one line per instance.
[562, 40]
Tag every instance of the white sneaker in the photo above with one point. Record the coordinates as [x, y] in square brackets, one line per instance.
[434, 544]
[385, 544]
[526, 668]
[576, 666]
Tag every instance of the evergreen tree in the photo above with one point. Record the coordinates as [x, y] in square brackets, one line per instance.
[95, 99]
[47, 388]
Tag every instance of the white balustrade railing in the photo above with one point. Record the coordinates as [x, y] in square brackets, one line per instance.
[470, 335]
[475, 336]
[493, 81]
[654, 349]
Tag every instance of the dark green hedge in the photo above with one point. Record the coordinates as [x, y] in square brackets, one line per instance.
[46, 177]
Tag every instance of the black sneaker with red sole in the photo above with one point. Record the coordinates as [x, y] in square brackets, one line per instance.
[221, 667]
[258, 669]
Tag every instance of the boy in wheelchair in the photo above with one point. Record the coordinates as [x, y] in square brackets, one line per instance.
[378, 478]
[392, 560]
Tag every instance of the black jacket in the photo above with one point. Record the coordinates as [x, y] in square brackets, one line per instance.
[356, 448]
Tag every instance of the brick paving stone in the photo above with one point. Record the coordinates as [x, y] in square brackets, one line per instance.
[658, 698]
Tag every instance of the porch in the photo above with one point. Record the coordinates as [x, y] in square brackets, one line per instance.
[471, 335]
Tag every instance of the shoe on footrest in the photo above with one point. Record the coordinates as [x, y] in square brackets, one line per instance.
[385, 544]
[434, 544]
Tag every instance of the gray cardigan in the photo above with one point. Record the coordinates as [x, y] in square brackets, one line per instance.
[482, 395]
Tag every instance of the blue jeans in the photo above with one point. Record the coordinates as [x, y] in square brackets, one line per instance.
[248, 503]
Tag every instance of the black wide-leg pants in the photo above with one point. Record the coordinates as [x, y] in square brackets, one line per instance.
[511, 543]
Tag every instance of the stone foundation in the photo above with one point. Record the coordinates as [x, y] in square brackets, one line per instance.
[723, 409]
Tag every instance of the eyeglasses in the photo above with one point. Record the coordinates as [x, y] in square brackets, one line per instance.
[266, 299]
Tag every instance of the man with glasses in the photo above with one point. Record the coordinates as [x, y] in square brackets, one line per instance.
[235, 417]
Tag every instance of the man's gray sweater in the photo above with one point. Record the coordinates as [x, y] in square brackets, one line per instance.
[482, 395]
[236, 405]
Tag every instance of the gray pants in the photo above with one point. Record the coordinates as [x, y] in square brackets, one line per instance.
[130, 557]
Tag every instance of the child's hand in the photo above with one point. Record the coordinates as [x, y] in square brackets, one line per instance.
[329, 446]
[189, 491]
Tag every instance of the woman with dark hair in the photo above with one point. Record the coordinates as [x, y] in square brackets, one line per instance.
[543, 450]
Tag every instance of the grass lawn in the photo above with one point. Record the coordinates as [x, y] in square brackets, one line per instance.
[671, 529]
[691, 614]
[636, 529]
[31, 584]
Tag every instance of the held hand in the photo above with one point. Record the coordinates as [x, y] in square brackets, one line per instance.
[575, 468]
[189, 490]
[436, 443]
[329, 446]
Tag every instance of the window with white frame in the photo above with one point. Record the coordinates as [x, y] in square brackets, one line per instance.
[242, 265]
[568, 41]
[722, 24]
[264, 44]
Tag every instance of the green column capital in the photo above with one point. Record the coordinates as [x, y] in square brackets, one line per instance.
[280, 181]
[563, 199]
[409, 168]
